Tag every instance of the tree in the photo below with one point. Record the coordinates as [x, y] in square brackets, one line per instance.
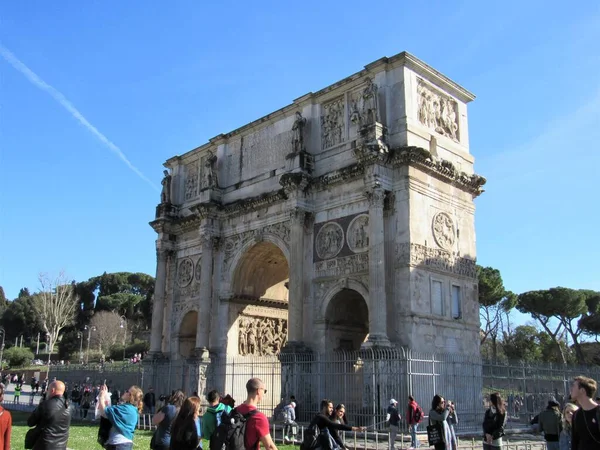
[56, 306]
[20, 317]
[108, 330]
[17, 356]
[523, 344]
[557, 310]
[494, 301]
[3, 299]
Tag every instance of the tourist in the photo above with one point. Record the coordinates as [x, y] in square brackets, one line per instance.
[52, 419]
[494, 421]
[290, 427]
[393, 418]
[414, 416]
[5, 424]
[85, 404]
[163, 420]
[564, 442]
[257, 425]
[123, 417]
[212, 416]
[452, 422]
[150, 401]
[186, 432]
[296, 409]
[17, 394]
[339, 414]
[438, 415]
[585, 431]
[550, 423]
[322, 421]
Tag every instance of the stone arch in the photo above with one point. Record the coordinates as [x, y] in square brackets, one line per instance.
[347, 283]
[255, 240]
[187, 334]
[268, 251]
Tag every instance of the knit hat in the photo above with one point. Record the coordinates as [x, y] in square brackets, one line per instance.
[393, 402]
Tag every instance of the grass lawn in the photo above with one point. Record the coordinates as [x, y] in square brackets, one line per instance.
[83, 435]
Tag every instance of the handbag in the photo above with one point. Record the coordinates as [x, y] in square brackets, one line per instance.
[435, 433]
[32, 435]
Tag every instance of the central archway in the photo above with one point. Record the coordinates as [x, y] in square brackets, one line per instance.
[347, 321]
[259, 302]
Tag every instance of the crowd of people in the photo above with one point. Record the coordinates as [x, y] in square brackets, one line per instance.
[181, 425]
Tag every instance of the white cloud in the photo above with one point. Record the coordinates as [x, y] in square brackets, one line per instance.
[62, 100]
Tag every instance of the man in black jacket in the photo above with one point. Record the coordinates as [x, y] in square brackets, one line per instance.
[53, 419]
[322, 421]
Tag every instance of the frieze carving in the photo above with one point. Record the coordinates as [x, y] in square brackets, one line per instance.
[444, 231]
[330, 240]
[261, 336]
[357, 235]
[191, 181]
[192, 290]
[435, 258]
[342, 266]
[185, 272]
[332, 123]
[437, 111]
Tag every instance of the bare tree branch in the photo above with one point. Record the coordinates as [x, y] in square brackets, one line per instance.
[108, 330]
[56, 305]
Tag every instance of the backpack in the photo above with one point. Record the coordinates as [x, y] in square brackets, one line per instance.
[230, 433]
[311, 438]
[418, 414]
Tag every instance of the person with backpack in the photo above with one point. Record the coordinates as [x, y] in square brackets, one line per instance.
[393, 418]
[550, 422]
[414, 416]
[290, 427]
[245, 428]
[212, 417]
[494, 421]
[585, 428]
[186, 433]
[161, 440]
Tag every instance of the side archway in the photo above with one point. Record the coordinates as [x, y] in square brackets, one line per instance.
[187, 334]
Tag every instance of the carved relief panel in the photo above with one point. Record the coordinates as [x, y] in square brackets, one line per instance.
[332, 123]
[437, 111]
[444, 231]
[358, 234]
[191, 181]
[261, 336]
[185, 272]
[330, 240]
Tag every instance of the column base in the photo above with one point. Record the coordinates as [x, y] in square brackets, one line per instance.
[376, 341]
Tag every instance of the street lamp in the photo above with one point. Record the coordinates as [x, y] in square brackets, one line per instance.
[80, 336]
[90, 329]
[49, 348]
[2, 346]
[124, 325]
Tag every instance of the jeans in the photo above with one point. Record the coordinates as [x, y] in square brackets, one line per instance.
[552, 445]
[393, 434]
[290, 429]
[413, 436]
[128, 446]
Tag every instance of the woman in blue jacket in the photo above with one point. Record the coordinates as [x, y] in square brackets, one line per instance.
[123, 417]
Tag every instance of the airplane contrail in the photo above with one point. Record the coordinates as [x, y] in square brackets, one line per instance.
[62, 100]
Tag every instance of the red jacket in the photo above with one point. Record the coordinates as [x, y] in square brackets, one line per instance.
[411, 412]
[5, 429]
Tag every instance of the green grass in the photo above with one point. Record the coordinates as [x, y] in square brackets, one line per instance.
[82, 436]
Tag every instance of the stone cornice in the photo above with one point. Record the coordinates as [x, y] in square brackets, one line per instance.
[339, 176]
[442, 169]
[250, 300]
[253, 203]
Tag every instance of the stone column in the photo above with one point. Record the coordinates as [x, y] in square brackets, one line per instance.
[296, 286]
[377, 291]
[159, 301]
[206, 289]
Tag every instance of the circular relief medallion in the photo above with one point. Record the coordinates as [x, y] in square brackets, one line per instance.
[197, 272]
[357, 235]
[444, 231]
[330, 240]
[185, 272]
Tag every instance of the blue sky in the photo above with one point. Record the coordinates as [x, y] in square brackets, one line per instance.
[157, 80]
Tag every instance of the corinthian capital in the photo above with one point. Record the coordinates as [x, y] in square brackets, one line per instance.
[297, 216]
[162, 254]
[375, 196]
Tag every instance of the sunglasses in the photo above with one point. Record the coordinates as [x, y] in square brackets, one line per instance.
[264, 390]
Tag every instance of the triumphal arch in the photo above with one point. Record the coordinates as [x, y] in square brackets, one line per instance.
[344, 220]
